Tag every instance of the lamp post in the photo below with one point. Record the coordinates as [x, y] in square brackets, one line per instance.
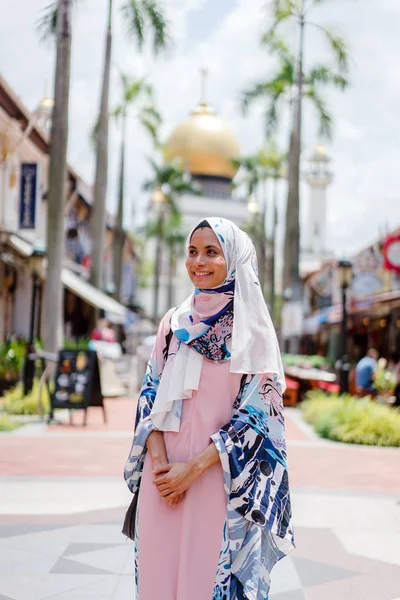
[345, 276]
[36, 268]
[159, 203]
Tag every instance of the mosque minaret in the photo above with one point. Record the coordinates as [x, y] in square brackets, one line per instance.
[314, 244]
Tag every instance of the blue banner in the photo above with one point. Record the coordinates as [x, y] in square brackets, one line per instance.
[28, 195]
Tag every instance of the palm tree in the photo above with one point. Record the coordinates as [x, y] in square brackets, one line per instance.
[168, 183]
[294, 84]
[174, 239]
[134, 91]
[252, 175]
[273, 160]
[58, 171]
[142, 18]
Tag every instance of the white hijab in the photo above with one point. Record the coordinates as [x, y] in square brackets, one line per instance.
[254, 345]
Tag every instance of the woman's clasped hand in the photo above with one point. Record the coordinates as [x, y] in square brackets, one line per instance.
[172, 480]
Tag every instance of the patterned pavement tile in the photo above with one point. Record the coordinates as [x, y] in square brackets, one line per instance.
[294, 595]
[77, 586]
[21, 586]
[71, 567]
[314, 573]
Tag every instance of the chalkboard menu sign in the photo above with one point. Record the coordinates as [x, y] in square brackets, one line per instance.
[77, 383]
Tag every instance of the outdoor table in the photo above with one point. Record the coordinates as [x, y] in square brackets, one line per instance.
[309, 378]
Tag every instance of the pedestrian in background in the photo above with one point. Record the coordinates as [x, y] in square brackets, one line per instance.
[394, 366]
[365, 373]
[103, 332]
[208, 460]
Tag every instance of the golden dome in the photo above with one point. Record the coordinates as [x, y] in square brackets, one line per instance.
[206, 144]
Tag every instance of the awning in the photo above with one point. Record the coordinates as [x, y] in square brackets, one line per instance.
[93, 296]
[21, 246]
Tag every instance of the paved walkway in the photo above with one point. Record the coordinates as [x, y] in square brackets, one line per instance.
[62, 500]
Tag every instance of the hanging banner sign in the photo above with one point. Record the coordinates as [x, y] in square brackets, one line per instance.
[392, 253]
[29, 188]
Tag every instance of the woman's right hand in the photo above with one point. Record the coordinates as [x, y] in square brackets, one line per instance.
[158, 453]
[158, 465]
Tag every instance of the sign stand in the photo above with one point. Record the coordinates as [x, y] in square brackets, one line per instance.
[77, 383]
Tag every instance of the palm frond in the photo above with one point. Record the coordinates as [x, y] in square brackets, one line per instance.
[143, 18]
[339, 48]
[134, 20]
[321, 74]
[93, 135]
[133, 88]
[159, 25]
[272, 115]
[118, 112]
[277, 46]
[47, 24]
[284, 9]
[150, 112]
[325, 119]
[259, 90]
[150, 127]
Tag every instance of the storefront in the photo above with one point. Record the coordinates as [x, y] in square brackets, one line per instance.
[373, 305]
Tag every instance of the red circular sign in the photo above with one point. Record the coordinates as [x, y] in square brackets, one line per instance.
[392, 253]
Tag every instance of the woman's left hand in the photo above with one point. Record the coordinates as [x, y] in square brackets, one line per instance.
[175, 478]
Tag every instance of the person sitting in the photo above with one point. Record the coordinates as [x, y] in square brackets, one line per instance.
[365, 373]
[394, 367]
[103, 332]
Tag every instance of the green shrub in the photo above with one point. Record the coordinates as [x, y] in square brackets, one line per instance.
[6, 424]
[15, 403]
[305, 360]
[12, 356]
[80, 344]
[352, 420]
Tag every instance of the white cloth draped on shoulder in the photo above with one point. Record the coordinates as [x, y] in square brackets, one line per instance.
[238, 319]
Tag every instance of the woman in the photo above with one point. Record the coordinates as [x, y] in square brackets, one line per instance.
[209, 454]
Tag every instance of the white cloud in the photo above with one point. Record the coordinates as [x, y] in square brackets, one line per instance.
[365, 193]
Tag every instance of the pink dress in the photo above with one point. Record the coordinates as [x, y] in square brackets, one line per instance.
[179, 546]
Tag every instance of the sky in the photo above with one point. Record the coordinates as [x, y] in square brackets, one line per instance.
[223, 36]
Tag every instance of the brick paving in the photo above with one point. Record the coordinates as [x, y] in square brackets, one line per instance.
[63, 500]
[100, 450]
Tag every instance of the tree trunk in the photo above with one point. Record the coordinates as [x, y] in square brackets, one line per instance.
[263, 238]
[98, 216]
[171, 275]
[157, 267]
[58, 170]
[273, 244]
[119, 237]
[291, 272]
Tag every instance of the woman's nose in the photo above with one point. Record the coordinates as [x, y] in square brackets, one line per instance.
[199, 260]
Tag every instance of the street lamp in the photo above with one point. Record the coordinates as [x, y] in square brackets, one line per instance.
[36, 261]
[345, 277]
[252, 205]
[159, 203]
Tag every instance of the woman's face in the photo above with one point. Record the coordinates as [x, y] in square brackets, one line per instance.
[205, 263]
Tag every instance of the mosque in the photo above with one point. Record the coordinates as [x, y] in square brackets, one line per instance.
[208, 146]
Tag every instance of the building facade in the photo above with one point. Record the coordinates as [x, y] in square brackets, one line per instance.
[373, 304]
[24, 167]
